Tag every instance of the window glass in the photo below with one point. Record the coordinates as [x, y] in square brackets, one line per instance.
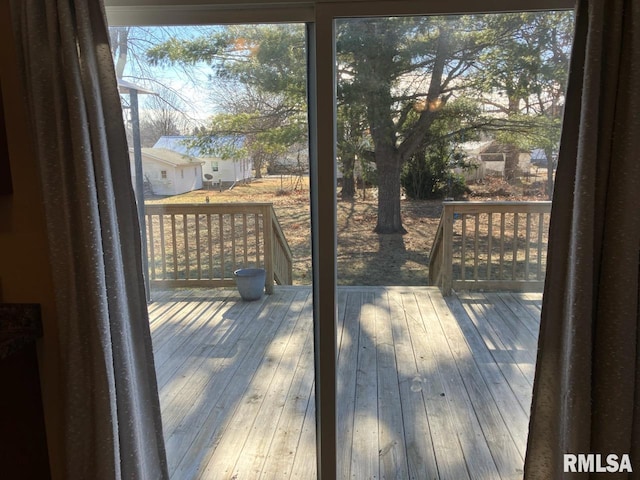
[433, 109]
[235, 366]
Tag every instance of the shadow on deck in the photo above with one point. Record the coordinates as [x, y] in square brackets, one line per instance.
[428, 387]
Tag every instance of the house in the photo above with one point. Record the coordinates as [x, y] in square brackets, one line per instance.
[169, 173]
[294, 161]
[489, 158]
[215, 170]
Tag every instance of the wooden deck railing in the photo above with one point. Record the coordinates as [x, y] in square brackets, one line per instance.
[490, 246]
[203, 244]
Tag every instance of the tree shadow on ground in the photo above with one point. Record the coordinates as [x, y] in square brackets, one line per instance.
[389, 264]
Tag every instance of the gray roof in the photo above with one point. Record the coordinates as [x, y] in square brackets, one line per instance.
[178, 143]
[170, 157]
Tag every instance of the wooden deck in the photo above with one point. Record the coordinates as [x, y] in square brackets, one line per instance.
[427, 387]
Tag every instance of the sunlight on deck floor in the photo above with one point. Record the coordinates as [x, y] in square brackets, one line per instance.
[428, 387]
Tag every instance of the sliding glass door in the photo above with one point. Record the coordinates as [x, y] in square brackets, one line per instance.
[387, 122]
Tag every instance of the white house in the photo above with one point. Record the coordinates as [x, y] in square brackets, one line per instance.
[170, 173]
[219, 170]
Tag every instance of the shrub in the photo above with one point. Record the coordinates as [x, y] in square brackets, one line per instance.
[429, 176]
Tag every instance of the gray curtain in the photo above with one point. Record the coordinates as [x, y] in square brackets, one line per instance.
[587, 385]
[112, 415]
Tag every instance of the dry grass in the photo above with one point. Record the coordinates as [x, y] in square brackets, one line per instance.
[364, 257]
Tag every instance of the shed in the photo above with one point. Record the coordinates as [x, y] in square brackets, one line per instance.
[490, 157]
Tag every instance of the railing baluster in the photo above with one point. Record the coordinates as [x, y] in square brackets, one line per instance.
[489, 245]
[186, 246]
[175, 247]
[152, 249]
[475, 246]
[502, 228]
[257, 221]
[463, 259]
[163, 251]
[221, 229]
[514, 263]
[244, 237]
[540, 234]
[209, 246]
[198, 264]
[527, 243]
[233, 242]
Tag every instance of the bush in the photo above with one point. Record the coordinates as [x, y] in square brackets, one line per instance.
[426, 177]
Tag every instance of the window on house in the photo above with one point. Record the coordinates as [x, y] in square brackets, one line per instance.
[214, 166]
[163, 174]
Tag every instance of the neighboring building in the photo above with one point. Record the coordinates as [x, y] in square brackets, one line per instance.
[539, 158]
[220, 170]
[489, 157]
[294, 162]
[169, 173]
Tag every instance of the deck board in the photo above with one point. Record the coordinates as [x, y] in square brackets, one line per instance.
[427, 387]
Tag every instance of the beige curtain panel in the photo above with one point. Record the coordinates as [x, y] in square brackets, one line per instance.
[587, 386]
[112, 415]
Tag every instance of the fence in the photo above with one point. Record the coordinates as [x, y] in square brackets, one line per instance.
[490, 246]
[203, 244]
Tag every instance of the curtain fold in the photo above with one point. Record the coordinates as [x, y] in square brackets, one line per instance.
[587, 387]
[112, 413]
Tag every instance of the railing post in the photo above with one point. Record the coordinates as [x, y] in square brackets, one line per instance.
[267, 219]
[447, 249]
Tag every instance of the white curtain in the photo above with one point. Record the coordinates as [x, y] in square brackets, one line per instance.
[112, 414]
[587, 386]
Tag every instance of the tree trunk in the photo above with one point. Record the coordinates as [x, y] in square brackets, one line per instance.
[348, 184]
[549, 154]
[512, 152]
[120, 47]
[348, 187]
[511, 159]
[389, 218]
[257, 166]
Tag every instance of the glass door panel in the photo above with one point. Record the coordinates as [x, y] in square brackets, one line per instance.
[447, 134]
[217, 122]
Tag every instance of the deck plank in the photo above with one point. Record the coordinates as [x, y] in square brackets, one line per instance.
[254, 453]
[364, 450]
[283, 449]
[507, 449]
[521, 355]
[202, 370]
[448, 450]
[427, 387]
[197, 437]
[466, 424]
[421, 461]
[513, 409]
[238, 428]
[392, 450]
[346, 381]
